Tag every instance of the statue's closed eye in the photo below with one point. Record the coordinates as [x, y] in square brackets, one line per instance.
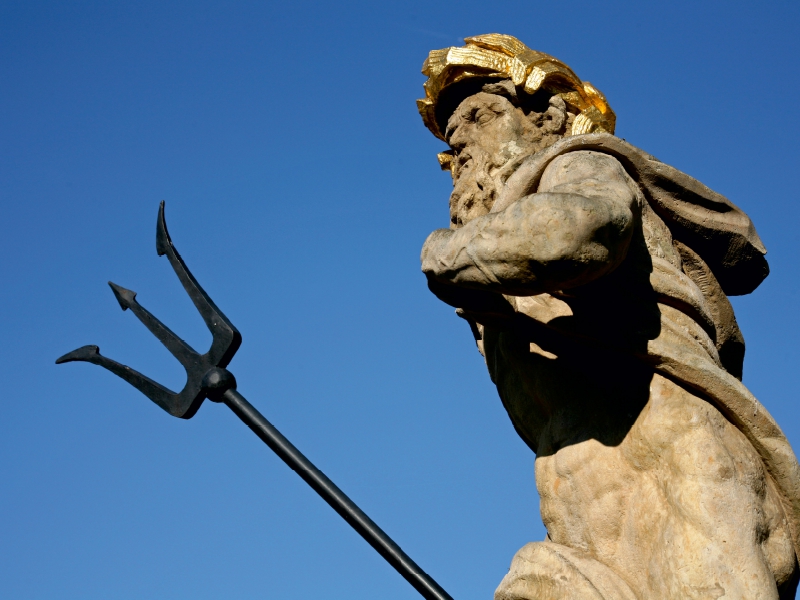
[483, 116]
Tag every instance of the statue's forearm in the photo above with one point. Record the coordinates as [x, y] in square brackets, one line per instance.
[543, 242]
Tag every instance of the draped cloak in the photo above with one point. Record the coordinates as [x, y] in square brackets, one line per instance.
[711, 250]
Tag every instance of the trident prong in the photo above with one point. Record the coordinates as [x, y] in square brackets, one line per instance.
[226, 339]
[207, 377]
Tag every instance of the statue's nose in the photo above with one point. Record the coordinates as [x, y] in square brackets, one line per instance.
[457, 137]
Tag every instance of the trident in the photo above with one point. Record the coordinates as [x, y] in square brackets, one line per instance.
[207, 377]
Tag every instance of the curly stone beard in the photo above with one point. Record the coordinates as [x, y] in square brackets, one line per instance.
[479, 178]
[490, 136]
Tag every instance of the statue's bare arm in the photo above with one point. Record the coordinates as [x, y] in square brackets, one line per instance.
[576, 228]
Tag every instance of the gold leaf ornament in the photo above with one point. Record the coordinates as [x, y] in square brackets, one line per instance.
[499, 56]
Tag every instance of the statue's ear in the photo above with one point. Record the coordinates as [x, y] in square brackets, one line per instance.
[556, 116]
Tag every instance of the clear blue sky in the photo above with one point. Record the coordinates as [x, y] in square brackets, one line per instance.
[300, 185]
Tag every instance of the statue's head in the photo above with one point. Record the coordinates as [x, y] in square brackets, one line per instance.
[495, 101]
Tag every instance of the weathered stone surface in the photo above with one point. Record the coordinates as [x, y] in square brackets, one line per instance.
[594, 279]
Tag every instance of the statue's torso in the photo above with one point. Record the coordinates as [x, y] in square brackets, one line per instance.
[641, 474]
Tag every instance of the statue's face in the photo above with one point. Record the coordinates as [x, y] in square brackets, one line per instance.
[488, 122]
[490, 137]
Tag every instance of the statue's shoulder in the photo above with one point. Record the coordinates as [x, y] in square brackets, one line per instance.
[589, 173]
[697, 216]
[584, 152]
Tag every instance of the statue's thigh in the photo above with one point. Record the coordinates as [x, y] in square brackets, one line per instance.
[548, 571]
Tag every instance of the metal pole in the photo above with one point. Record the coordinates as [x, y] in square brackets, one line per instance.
[335, 497]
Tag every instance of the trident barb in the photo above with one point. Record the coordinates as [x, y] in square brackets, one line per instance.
[207, 377]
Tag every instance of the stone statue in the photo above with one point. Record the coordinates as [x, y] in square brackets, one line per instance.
[595, 280]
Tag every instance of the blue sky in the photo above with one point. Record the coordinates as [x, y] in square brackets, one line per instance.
[300, 185]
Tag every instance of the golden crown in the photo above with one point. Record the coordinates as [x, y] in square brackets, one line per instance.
[498, 56]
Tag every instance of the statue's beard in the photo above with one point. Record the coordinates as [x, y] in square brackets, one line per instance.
[478, 184]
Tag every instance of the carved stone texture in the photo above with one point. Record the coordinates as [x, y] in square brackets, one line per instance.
[595, 280]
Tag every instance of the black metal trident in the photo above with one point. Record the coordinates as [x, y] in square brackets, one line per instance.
[207, 377]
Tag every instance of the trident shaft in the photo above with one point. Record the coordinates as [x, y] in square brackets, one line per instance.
[207, 377]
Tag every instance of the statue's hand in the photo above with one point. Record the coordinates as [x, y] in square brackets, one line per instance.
[487, 308]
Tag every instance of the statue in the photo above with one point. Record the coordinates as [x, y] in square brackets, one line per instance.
[595, 281]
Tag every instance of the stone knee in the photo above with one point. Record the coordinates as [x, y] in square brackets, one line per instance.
[548, 571]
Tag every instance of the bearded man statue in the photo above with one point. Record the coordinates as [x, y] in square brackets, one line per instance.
[595, 280]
